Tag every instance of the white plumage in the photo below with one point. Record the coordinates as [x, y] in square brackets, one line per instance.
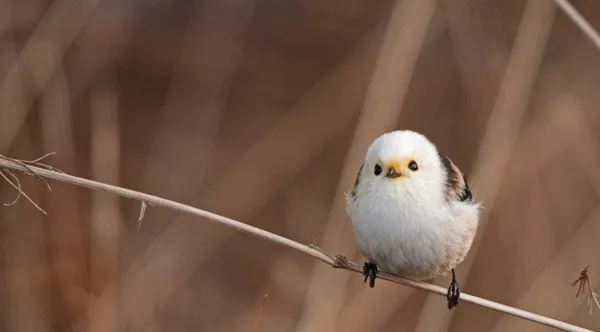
[411, 208]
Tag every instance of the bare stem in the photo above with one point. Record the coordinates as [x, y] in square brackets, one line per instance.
[338, 261]
[580, 21]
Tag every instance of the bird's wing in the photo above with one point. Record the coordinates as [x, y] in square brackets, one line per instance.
[356, 182]
[457, 188]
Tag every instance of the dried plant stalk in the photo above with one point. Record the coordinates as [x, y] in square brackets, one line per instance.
[584, 282]
[336, 262]
[256, 324]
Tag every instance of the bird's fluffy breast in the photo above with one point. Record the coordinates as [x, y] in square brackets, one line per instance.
[410, 238]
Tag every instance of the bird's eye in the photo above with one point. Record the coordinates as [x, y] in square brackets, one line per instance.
[413, 165]
[377, 170]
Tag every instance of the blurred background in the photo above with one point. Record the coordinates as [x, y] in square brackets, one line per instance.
[262, 110]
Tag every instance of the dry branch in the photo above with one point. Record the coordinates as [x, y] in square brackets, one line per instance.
[585, 27]
[311, 250]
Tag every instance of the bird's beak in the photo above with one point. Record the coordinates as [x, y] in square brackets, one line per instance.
[394, 170]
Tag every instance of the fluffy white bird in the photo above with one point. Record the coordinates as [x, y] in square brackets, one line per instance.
[412, 211]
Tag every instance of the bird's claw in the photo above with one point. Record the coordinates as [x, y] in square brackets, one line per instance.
[370, 272]
[453, 295]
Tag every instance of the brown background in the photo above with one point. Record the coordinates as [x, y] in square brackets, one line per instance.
[261, 110]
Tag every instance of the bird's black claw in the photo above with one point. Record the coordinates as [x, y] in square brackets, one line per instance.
[453, 295]
[370, 271]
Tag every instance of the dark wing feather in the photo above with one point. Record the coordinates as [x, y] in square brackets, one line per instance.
[457, 187]
[356, 182]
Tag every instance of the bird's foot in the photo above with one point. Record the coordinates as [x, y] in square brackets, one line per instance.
[370, 272]
[453, 295]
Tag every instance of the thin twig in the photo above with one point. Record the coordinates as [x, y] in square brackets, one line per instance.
[17, 182]
[37, 162]
[259, 314]
[17, 187]
[337, 262]
[580, 21]
[584, 281]
[30, 171]
[47, 155]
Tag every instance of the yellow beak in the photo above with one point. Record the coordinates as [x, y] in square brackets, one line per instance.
[394, 170]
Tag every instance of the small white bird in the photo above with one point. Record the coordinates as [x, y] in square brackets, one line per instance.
[412, 211]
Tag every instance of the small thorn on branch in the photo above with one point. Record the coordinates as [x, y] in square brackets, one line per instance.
[143, 207]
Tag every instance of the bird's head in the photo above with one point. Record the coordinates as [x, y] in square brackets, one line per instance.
[403, 162]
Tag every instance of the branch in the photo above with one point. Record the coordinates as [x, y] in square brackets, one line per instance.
[579, 21]
[338, 261]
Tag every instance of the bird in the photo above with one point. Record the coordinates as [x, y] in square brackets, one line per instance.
[412, 211]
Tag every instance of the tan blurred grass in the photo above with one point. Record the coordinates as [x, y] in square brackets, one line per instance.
[249, 109]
